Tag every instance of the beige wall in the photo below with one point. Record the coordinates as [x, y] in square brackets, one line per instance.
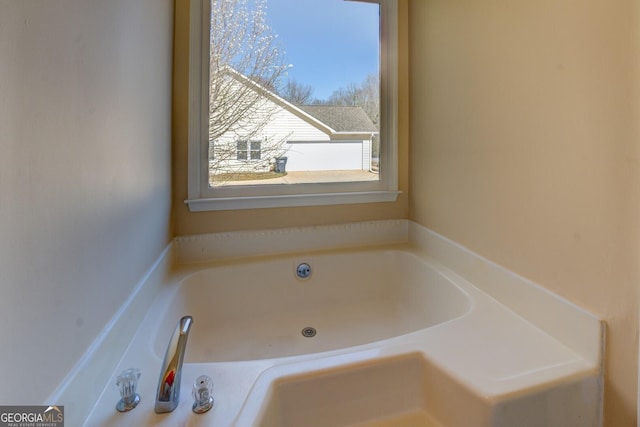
[205, 222]
[84, 175]
[525, 148]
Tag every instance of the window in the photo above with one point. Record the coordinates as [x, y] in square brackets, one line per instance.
[242, 150]
[250, 116]
[246, 150]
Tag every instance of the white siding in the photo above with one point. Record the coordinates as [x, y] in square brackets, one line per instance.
[282, 127]
[287, 125]
[306, 147]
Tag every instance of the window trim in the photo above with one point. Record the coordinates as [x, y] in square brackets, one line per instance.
[203, 198]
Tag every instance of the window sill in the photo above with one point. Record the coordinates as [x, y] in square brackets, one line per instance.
[281, 201]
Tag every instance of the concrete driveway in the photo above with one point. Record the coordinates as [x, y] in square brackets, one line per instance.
[312, 177]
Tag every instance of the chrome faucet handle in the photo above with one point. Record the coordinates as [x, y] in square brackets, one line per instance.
[202, 388]
[127, 382]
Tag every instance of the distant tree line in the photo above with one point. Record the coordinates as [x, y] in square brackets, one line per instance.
[365, 94]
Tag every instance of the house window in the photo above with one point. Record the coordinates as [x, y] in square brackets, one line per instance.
[255, 150]
[324, 114]
[246, 150]
[241, 151]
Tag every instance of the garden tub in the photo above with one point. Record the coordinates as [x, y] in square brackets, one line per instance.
[378, 336]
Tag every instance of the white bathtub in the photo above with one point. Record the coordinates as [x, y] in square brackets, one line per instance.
[400, 335]
[258, 310]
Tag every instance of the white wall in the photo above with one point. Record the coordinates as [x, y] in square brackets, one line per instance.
[85, 103]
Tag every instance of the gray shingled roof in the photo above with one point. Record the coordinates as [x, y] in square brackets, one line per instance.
[341, 118]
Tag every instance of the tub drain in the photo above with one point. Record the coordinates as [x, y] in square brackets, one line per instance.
[303, 271]
[309, 332]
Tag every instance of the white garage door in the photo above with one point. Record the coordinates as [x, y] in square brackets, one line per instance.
[316, 156]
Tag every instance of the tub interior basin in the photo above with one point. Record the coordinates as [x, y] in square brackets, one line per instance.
[262, 310]
[401, 391]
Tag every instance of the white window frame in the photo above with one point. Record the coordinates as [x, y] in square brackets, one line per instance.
[203, 198]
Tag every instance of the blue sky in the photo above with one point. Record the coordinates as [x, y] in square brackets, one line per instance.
[330, 43]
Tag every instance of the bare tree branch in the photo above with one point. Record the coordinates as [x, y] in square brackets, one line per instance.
[297, 93]
[244, 60]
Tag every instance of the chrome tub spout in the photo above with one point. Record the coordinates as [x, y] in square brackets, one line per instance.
[168, 395]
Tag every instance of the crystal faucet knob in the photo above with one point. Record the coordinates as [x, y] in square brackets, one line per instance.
[202, 389]
[127, 382]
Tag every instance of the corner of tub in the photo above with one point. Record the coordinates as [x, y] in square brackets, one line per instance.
[575, 327]
[78, 392]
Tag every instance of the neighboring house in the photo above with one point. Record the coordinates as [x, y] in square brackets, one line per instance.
[314, 137]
